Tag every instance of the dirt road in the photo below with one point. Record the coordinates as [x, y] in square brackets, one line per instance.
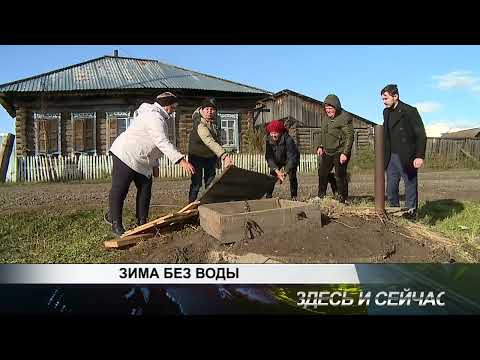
[350, 240]
[170, 194]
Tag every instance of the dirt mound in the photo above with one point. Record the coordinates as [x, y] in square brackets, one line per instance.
[186, 245]
[351, 240]
[354, 240]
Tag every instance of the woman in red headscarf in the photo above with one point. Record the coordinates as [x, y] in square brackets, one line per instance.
[282, 156]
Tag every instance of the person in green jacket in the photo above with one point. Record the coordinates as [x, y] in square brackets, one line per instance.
[336, 140]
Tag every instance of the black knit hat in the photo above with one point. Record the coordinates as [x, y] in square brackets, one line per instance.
[211, 102]
[166, 98]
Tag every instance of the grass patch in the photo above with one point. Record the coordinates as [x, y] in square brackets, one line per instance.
[77, 236]
[444, 163]
[49, 237]
[456, 220]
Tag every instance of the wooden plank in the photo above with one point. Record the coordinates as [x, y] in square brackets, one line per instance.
[27, 169]
[127, 240]
[470, 156]
[6, 149]
[61, 168]
[36, 169]
[162, 221]
[189, 207]
[44, 168]
[31, 173]
[55, 165]
[47, 168]
[41, 168]
[19, 169]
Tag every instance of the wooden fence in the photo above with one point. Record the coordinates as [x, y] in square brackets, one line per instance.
[94, 167]
[451, 149]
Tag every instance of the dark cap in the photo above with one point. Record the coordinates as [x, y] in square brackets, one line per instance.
[211, 102]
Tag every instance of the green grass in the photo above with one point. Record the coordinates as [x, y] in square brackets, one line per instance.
[50, 237]
[78, 236]
[454, 219]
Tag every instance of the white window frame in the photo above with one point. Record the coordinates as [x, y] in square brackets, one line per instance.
[122, 115]
[230, 116]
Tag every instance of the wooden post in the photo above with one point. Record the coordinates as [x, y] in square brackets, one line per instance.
[19, 171]
[35, 168]
[6, 149]
[379, 170]
[41, 168]
[28, 169]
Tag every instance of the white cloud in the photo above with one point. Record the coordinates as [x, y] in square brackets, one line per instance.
[428, 106]
[436, 129]
[456, 79]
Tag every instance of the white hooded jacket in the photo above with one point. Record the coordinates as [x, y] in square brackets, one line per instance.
[144, 141]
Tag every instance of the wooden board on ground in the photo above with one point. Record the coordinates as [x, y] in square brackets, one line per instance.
[233, 184]
[395, 211]
[237, 184]
[190, 206]
[173, 218]
[127, 240]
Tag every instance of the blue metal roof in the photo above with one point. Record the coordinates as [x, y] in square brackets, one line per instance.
[117, 73]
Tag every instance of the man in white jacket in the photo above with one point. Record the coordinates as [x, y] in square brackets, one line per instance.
[135, 156]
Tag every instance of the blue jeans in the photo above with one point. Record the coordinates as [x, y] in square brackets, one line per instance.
[204, 168]
[395, 171]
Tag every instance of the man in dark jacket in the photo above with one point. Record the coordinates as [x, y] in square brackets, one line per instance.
[405, 144]
[282, 156]
[204, 147]
[336, 140]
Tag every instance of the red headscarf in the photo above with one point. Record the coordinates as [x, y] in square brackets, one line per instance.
[275, 126]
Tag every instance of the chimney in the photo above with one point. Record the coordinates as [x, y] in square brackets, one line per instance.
[115, 53]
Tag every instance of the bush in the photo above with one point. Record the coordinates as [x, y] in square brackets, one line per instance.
[364, 159]
[255, 139]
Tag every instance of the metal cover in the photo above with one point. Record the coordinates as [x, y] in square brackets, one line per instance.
[237, 184]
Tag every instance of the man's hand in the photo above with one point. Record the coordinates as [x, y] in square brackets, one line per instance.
[156, 171]
[281, 175]
[343, 158]
[417, 163]
[227, 161]
[320, 151]
[188, 167]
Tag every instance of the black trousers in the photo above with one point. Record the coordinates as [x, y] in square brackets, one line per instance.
[331, 177]
[204, 168]
[327, 163]
[292, 177]
[122, 177]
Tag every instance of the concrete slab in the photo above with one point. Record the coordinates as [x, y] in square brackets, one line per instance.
[239, 220]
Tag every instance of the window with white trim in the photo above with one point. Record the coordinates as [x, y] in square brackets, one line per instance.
[47, 133]
[84, 132]
[229, 130]
[116, 123]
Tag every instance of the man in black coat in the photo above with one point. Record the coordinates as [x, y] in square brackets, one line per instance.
[282, 156]
[405, 145]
